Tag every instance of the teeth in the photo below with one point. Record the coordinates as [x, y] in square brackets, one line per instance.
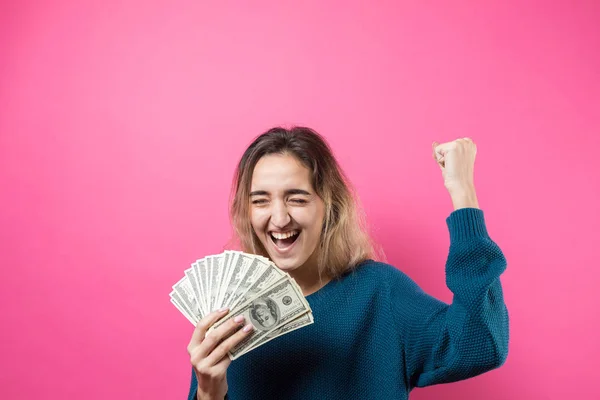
[284, 235]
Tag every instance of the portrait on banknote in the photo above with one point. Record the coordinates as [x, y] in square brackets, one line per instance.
[264, 314]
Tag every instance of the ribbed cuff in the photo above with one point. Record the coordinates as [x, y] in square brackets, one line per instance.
[465, 224]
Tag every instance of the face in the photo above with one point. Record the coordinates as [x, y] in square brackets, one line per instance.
[285, 212]
[263, 315]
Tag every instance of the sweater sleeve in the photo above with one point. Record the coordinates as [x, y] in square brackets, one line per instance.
[451, 342]
[193, 387]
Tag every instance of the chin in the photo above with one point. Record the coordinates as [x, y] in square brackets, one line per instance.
[287, 266]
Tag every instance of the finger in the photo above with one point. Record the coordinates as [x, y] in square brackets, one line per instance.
[221, 351]
[441, 163]
[433, 145]
[215, 337]
[437, 151]
[220, 368]
[203, 325]
[440, 150]
[438, 156]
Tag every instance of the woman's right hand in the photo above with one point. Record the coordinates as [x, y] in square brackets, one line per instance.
[208, 352]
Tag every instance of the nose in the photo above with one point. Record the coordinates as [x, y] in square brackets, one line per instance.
[280, 216]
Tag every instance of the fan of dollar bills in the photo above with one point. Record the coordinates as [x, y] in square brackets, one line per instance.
[249, 285]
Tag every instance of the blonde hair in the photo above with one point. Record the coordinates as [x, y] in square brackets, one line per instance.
[344, 239]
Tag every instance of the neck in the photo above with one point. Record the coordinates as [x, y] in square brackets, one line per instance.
[308, 278]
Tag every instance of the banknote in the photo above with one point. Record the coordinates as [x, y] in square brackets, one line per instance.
[186, 313]
[249, 285]
[199, 268]
[257, 284]
[241, 265]
[255, 271]
[190, 274]
[267, 311]
[184, 294]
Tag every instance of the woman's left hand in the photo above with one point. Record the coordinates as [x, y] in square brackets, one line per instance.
[457, 162]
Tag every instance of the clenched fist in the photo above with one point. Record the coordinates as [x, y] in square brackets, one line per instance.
[457, 162]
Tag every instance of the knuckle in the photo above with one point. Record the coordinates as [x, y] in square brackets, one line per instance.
[203, 370]
[200, 363]
[192, 345]
[223, 349]
[195, 358]
[211, 339]
[196, 363]
[220, 351]
[208, 320]
[204, 324]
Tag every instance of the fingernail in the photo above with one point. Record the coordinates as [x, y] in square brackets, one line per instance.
[248, 328]
[239, 319]
[222, 309]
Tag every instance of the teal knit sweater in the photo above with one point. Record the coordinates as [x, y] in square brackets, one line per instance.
[377, 335]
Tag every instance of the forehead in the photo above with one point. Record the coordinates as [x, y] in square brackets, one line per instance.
[280, 171]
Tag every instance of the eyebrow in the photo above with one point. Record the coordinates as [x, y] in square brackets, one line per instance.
[287, 192]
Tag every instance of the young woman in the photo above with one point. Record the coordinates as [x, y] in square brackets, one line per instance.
[376, 334]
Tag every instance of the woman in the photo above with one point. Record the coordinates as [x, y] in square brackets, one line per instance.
[376, 334]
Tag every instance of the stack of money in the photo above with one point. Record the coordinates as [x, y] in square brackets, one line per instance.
[249, 285]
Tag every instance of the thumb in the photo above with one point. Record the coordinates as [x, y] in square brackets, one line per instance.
[437, 155]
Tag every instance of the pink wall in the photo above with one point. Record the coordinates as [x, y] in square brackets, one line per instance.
[120, 126]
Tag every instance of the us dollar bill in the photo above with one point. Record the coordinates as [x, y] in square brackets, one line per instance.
[191, 277]
[269, 310]
[186, 295]
[225, 277]
[255, 270]
[257, 284]
[215, 283]
[179, 305]
[199, 268]
[241, 264]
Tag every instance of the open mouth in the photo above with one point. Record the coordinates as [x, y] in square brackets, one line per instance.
[285, 239]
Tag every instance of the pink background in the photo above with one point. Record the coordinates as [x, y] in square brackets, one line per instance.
[120, 126]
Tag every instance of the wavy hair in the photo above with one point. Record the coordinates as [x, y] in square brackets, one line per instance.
[344, 239]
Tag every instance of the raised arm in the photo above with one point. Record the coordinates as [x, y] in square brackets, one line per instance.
[450, 342]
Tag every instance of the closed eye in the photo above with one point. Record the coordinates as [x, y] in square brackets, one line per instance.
[259, 201]
[298, 201]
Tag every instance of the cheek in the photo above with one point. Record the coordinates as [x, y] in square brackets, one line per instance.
[318, 221]
[309, 219]
[258, 220]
